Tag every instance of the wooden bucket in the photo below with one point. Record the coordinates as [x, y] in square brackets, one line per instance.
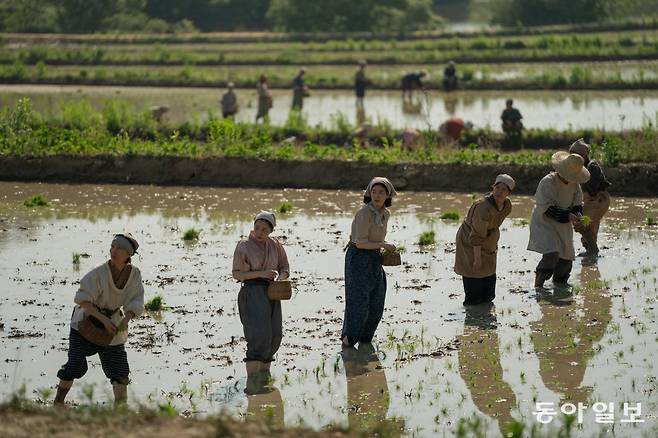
[279, 290]
[391, 259]
[93, 330]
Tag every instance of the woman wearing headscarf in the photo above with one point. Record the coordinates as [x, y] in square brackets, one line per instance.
[596, 199]
[109, 296]
[477, 242]
[256, 261]
[558, 206]
[365, 279]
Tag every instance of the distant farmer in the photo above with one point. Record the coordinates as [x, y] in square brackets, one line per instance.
[410, 138]
[411, 81]
[596, 199]
[299, 90]
[558, 207]
[511, 118]
[450, 77]
[451, 129]
[264, 100]
[229, 102]
[360, 83]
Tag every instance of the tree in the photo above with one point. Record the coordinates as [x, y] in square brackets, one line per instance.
[352, 16]
[542, 12]
[28, 16]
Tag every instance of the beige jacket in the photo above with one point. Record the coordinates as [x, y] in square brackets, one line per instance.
[480, 228]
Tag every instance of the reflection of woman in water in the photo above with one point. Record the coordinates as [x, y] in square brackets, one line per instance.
[565, 335]
[479, 365]
[367, 391]
[264, 402]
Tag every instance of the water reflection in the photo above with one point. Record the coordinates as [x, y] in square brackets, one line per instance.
[264, 402]
[479, 365]
[573, 322]
[368, 397]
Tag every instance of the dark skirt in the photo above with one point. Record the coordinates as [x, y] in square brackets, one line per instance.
[365, 293]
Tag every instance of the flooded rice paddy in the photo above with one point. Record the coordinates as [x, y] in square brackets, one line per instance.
[433, 363]
[609, 110]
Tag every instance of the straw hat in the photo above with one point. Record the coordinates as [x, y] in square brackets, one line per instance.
[570, 167]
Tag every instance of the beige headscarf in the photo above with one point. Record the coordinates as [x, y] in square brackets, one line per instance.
[383, 181]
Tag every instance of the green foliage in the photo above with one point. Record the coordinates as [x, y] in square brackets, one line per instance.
[155, 304]
[345, 15]
[191, 234]
[651, 221]
[542, 12]
[427, 238]
[36, 201]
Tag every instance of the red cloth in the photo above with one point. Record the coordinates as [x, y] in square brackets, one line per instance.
[454, 127]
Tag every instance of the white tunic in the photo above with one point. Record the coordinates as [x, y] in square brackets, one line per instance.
[98, 288]
[546, 234]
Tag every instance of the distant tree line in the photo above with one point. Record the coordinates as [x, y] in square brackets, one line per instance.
[93, 16]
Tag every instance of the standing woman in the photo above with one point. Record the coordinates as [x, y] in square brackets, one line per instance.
[365, 280]
[257, 261]
[477, 242]
[596, 199]
[264, 100]
[109, 297]
[558, 207]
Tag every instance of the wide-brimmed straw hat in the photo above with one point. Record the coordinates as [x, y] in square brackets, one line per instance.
[570, 167]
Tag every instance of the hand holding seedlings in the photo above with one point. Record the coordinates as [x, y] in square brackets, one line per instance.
[389, 247]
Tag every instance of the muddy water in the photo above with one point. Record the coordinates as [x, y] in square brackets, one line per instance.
[611, 110]
[433, 362]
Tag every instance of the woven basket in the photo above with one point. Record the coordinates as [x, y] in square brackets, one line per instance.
[93, 330]
[279, 290]
[391, 259]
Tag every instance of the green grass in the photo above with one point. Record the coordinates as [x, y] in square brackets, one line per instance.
[191, 234]
[38, 200]
[119, 130]
[155, 304]
[427, 238]
[651, 221]
[285, 207]
[76, 258]
[450, 216]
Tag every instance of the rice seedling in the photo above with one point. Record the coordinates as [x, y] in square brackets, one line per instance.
[191, 234]
[651, 221]
[155, 304]
[38, 200]
[450, 216]
[585, 221]
[427, 238]
[285, 207]
[76, 258]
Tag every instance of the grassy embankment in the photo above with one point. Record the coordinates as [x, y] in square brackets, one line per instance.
[117, 130]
